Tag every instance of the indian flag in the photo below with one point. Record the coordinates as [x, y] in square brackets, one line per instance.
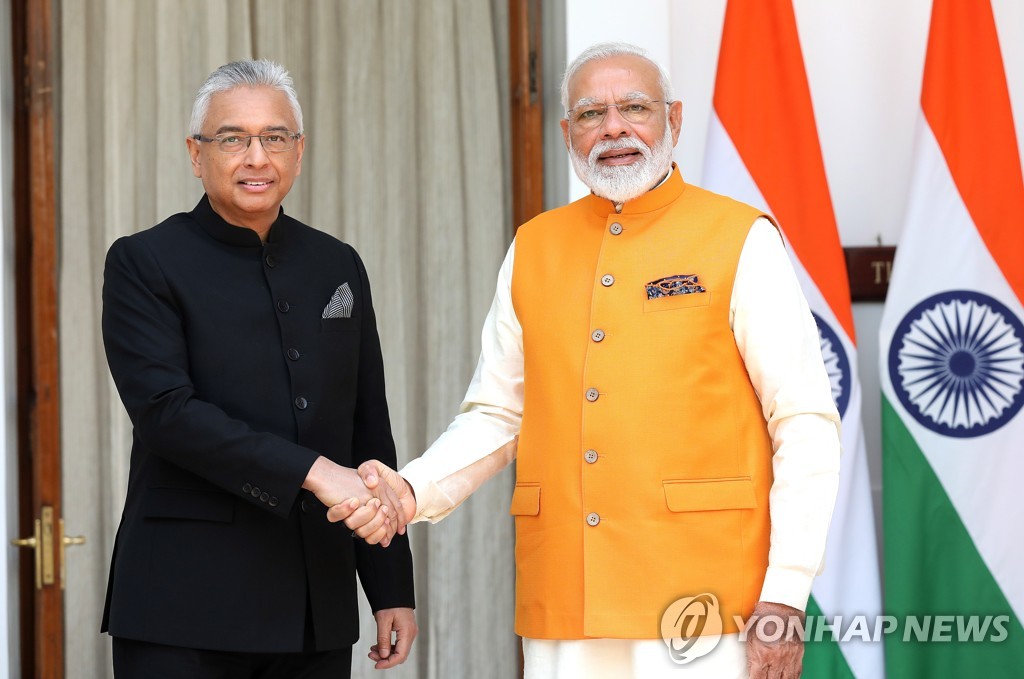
[763, 149]
[952, 368]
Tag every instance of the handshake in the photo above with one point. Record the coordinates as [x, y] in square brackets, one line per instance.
[375, 502]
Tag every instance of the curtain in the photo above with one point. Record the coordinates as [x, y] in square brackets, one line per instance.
[405, 107]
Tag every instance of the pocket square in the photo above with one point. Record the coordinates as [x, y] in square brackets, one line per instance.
[680, 284]
[341, 303]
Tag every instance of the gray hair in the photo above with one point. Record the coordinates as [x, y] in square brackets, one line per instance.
[247, 73]
[605, 50]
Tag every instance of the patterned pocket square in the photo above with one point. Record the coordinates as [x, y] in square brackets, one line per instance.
[341, 303]
[680, 284]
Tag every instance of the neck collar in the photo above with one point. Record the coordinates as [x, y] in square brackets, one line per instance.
[229, 234]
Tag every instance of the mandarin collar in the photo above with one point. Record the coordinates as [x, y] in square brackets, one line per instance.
[657, 198]
[238, 236]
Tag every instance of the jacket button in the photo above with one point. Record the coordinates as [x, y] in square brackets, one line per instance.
[283, 306]
[273, 502]
[247, 488]
[592, 394]
[590, 456]
[301, 403]
[593, 518]
[597, 335]
[293, 354]
[615, 228]
[264, 497]
[271, 262]
[303, 507]
[255, 492]
[607, 280]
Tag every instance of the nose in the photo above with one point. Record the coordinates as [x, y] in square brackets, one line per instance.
[614, 124]
[256, 155]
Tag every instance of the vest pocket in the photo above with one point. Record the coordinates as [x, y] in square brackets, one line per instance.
[690, 301]
[701, 495]
[525, 500]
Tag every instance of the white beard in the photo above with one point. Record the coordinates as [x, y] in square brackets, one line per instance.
[621, 183]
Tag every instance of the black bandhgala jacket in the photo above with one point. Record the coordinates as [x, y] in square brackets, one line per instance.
[235, 384]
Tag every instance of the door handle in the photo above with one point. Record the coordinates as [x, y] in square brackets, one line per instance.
[33, 543]
[42, 544]
[65, 542]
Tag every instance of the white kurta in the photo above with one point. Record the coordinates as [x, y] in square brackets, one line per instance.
[786, 370]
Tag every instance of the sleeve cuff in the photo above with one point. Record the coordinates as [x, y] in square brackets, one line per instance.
[432, 503]
[786, 586]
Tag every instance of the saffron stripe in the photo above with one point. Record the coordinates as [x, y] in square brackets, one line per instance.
[764, 102]
[967, 105]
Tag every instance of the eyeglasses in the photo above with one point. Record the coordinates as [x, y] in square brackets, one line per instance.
[273, 142]
[636, 112]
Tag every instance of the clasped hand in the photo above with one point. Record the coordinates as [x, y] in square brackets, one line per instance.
[379, 510]
[374, 511]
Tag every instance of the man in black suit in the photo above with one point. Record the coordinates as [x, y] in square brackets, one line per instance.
[244, 347]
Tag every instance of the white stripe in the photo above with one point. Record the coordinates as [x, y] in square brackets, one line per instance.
[942, 250]
[850, 583]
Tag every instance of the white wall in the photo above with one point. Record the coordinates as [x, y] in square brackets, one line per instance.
[864, 62]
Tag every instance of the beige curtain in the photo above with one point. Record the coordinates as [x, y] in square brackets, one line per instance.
[405, 110]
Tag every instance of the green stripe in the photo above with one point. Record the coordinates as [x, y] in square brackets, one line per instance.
[823, 659]
[932, 567]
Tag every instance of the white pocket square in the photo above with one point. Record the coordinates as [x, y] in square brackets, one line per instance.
[341, 303]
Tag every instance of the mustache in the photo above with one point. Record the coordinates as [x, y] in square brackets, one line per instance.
[617, 144]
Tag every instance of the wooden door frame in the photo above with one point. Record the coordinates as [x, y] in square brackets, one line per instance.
[527, 108]
[33, 26]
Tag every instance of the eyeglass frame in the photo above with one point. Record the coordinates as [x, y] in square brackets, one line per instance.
[294, 136]
[571, 120]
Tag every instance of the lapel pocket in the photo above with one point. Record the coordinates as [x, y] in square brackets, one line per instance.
[691, 301]
[340, 324]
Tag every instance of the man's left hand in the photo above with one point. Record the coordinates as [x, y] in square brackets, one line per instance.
[401, 621]
[783, 657]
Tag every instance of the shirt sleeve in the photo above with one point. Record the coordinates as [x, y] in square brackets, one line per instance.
[479, 442]
[778, 340]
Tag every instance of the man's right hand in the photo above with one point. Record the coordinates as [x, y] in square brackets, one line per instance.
[335, 485]
[365, 521]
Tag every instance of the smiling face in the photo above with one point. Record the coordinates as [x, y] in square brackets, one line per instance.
[247, 188]
[617, 159]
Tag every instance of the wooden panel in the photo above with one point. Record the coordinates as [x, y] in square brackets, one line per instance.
[42, 616]
[869, 269]
[527, 108]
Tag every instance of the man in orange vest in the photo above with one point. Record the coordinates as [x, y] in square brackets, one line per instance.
[678, 449]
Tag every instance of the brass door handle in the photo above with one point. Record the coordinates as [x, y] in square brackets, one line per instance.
[65, 542]
[33, 543]
[42, 544]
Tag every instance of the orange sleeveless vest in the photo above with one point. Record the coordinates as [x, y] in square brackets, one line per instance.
[644, 463]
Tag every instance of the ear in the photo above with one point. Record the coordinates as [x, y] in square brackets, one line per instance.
[675, 119]
[194, 149]
[565, 132]
[300, 147]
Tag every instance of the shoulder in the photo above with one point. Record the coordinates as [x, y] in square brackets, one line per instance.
[565, 214]
[722, 203]
[327, 248]
[154, 239]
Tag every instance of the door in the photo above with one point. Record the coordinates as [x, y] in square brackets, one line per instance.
[42, 540]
